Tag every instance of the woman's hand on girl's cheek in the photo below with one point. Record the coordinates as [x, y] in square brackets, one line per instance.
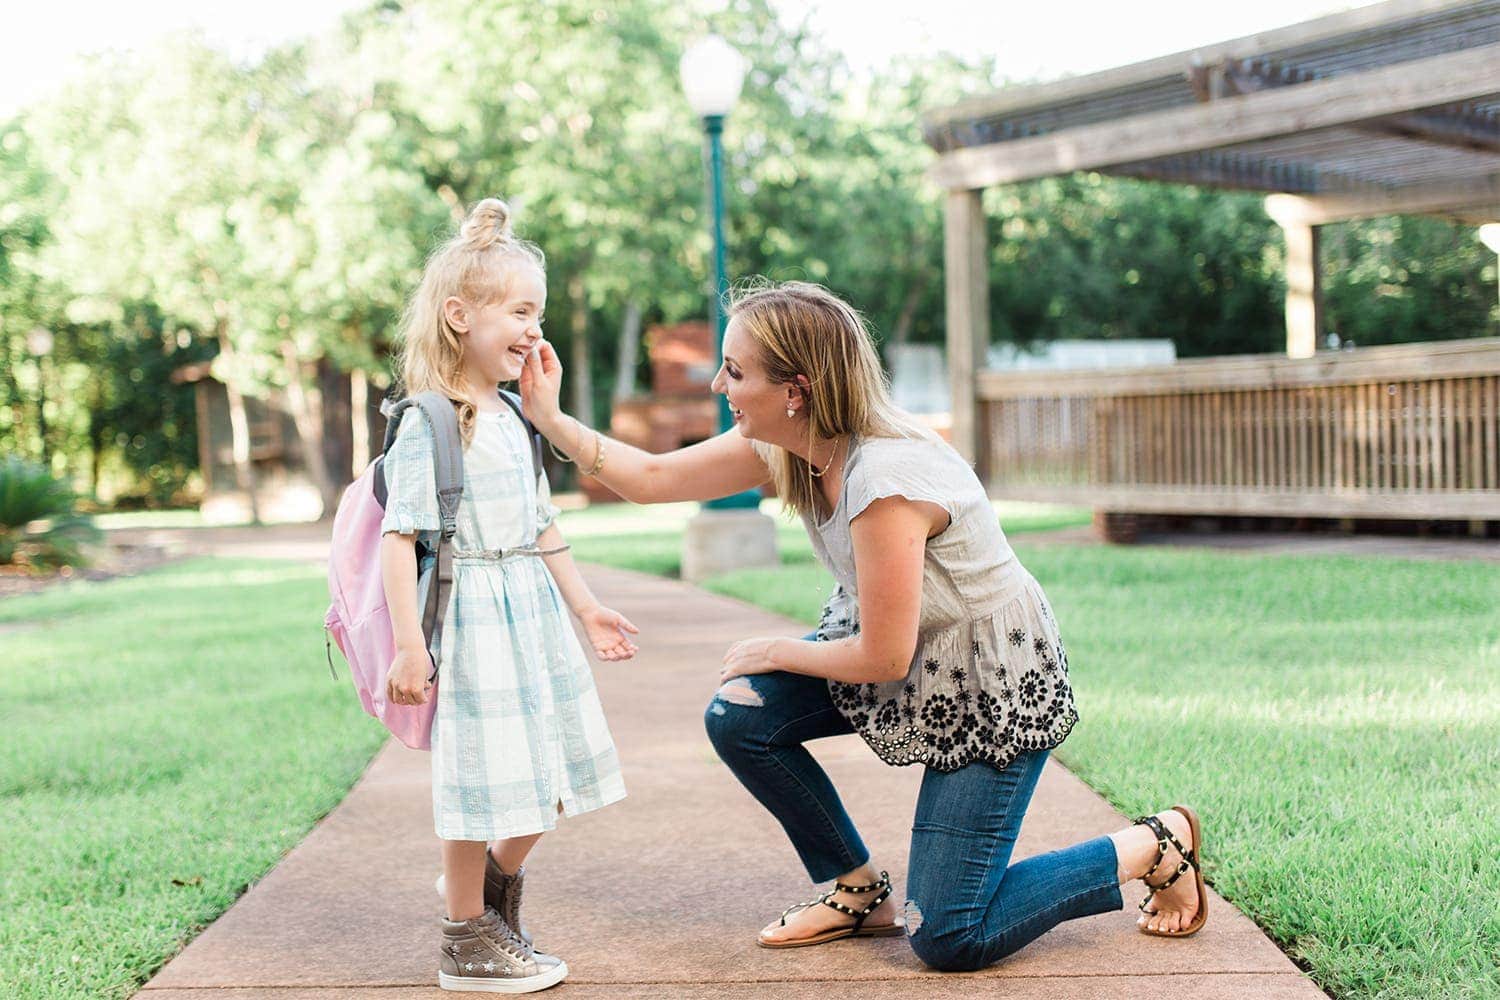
[541, 381]
[748, 656]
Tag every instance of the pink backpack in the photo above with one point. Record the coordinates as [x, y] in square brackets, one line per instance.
[358, 619]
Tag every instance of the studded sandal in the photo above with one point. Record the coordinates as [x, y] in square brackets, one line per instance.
[1189, 862]
[881, 887]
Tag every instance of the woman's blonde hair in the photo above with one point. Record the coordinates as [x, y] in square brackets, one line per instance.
[804, 329]
[476, 265]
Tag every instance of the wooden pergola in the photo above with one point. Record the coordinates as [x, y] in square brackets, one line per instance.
[1388, 109]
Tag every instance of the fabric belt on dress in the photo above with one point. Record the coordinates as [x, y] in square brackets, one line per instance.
[501, 555]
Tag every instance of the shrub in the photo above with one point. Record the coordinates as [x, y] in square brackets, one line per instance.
[40, 526]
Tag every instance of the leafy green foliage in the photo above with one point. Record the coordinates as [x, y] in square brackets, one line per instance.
[1404, 279]
[178, 205]
[39, 526]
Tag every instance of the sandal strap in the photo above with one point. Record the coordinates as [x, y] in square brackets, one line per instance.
[1156, 827]
[883, 882]
[860, 916]
[1164, 837]
[798, 908]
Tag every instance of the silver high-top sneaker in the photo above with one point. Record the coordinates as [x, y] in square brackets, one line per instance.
[484, 955]
[501, 891]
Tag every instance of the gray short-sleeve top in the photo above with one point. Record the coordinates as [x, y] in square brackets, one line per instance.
[989, 678]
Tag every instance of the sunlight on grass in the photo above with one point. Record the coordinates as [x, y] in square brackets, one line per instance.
[187, 518]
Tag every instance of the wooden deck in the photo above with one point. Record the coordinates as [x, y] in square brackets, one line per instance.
[1410, 431]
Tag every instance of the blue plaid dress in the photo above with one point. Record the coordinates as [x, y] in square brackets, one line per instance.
[519, 731]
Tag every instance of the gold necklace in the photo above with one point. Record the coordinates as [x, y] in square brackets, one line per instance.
[819, 475]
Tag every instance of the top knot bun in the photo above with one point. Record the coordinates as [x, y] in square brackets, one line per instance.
[488, 223]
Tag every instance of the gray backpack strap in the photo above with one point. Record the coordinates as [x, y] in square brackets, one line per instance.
[532, 434]
[448, 456]
[448, 452]
[391, 409]
[435, 583]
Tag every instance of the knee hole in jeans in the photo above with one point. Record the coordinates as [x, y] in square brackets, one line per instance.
[911, 913]
[740, 692]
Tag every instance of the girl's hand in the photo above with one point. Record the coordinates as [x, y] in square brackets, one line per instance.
[748, 656]
[406, 681]
[541, 384]
[607, 631]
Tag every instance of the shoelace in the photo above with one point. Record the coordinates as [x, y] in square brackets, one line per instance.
[510, 942]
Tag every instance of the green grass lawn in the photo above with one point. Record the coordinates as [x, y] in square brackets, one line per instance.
[168, 738]
[1335, 720]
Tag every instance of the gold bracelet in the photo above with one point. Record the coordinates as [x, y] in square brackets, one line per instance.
[598, 455]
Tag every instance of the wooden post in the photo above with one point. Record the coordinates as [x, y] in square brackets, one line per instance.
[1304, 300]
[966, 266]
[201, 406]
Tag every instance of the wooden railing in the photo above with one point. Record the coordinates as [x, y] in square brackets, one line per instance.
[1411, 431]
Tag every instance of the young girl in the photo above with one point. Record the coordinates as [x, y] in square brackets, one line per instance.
[518, 735]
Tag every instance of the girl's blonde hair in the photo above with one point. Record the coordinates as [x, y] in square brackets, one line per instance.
[475, 265]
[804, 329]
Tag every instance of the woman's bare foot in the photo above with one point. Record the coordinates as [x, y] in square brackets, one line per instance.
[816, 919]
[1136, 847]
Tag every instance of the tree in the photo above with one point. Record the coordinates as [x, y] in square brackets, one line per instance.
[27, 197]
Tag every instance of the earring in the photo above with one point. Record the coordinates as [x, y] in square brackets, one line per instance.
[790, 412]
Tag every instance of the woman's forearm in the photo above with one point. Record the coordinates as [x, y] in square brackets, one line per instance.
[848, 661]
[626, 470]
[719, 467]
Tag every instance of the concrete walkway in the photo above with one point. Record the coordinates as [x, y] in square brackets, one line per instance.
[660, 896]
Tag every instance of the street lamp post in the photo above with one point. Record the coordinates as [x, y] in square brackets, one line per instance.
[713, 128]
[730, 532]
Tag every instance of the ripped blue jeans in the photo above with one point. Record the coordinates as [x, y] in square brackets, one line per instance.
[967, 906]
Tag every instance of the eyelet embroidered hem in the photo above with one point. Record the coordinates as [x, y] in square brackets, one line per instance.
[899, 753]
[982, 690]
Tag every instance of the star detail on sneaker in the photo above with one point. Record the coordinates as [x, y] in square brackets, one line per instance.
[468, 966]
[489, 966]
